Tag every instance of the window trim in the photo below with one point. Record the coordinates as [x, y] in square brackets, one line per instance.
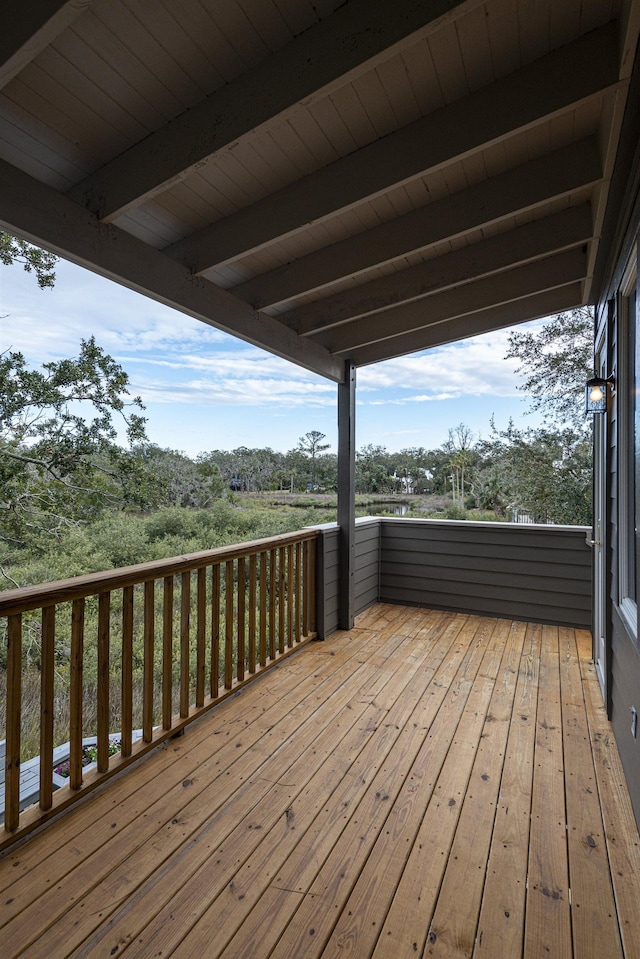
[627, 603]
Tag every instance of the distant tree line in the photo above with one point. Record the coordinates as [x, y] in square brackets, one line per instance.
[61, 463]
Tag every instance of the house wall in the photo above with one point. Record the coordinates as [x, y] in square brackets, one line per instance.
[533, 573]
[367, 572]
[622, 678]
[620, 235]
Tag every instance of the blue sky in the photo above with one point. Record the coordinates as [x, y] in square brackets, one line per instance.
[206, 390]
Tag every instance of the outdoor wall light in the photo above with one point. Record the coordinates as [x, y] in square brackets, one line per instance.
[596, 393]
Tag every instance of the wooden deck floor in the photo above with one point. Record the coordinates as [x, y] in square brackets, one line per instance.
[429, 784]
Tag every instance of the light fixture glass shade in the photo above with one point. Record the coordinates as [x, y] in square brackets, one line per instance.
[596, 395]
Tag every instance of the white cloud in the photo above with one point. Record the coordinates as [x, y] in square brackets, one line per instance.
[189, 368]
[474, 367]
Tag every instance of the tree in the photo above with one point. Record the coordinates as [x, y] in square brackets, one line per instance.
[40, 262]
[248, 470]
[550, 468]
[545, 473]
[60, 463]
[311, 444]
[459, 447]
[556, 361]
[373, 472]
[181, 481]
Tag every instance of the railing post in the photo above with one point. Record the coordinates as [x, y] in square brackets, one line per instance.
[228, 626]
[14, 698]
[104, 630]
[201, 624]
[240, 632]
[253, 599]
[148, 670]
[167, 652]
[76, 683]
[297, 632]
[215, 630]
[185, 625]
[46, 705]
[126, 693]
[262, 645]
[346, 494]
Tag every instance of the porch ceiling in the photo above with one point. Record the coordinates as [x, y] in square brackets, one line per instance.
[327, 180]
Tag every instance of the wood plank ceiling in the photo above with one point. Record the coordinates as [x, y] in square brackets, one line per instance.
[327, 180]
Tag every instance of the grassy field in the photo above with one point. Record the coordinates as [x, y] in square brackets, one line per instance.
[125, 539]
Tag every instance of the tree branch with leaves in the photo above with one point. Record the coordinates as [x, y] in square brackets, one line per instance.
[33, 259]
[60, 460]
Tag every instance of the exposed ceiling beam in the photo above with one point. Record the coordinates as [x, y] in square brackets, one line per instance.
[532, 241]
[554, 175]
[357, 36]
[504, 287]
[630, 29]
[45, 217]
[27, 28]
[495, 318]
[623, 192]
[562, 79]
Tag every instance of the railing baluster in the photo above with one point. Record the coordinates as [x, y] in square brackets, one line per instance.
[242, 600]
[263, 609]
[167, 652]
[76, 674]
[290, 594]
[149, 643]
[305, 589]
[298, 590]
[282, 591]
[14, 702]
[185, 625]
[272, 603]
[311, 585]
[215, 630]
[228, 626]
[126, 692]
[47, 662]
[252, 611]
[201, 624]
[104, 628]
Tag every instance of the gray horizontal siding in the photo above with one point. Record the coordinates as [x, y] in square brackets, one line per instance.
[532, 573]
[367, 574]
[624, 693]
[535, 573]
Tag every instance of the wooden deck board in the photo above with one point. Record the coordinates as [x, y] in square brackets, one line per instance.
[429, 784]
[548, 915]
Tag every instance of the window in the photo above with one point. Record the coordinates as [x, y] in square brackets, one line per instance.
[628, 386]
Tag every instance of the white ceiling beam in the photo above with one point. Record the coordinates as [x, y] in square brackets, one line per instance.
[515, 284]
[43, 216]
[496, 318]
[555, 175]
[358, 35]
[532, 241]
[27, 28]
[555, 83]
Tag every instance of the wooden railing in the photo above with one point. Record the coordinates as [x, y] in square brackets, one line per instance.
[154, 646]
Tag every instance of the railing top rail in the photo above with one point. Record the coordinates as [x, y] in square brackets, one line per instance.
[64, 590]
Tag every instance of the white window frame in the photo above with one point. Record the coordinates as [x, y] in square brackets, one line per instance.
[627, 605]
